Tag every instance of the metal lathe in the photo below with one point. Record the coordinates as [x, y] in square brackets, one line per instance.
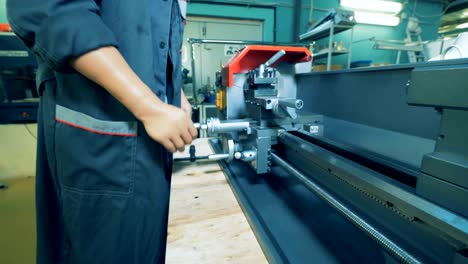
[355, 166]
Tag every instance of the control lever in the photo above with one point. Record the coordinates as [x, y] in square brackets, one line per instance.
[278, 55]
[287, 107]
[214, 126]
[293, 103]
[193, 157]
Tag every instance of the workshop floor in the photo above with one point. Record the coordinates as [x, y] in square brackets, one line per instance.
[17, 222]
[203, 208]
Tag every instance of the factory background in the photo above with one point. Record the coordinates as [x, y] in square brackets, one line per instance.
[281, 21]
[280, 24]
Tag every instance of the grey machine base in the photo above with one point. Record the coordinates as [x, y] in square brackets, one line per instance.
[295, 226]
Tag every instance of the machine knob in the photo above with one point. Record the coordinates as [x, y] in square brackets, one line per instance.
[293, 103]
[246, 155]
[287, 107]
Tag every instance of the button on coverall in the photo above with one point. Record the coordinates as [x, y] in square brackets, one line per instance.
[102, 184]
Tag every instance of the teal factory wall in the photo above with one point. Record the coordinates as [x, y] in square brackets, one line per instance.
[232, 10]
[2, 11]
[257, 13]
[257, 9]
[427, 12]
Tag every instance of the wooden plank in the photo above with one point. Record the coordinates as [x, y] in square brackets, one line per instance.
[206, 224]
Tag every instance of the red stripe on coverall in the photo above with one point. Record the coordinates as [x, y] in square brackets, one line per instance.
[94, 131]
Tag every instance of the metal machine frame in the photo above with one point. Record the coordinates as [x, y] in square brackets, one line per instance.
[374, 170]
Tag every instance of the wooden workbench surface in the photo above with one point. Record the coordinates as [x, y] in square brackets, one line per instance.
[206, 224]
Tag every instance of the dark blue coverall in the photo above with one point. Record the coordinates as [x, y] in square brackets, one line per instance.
[102, 184]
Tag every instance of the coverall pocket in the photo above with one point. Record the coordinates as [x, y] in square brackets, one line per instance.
[94, 156]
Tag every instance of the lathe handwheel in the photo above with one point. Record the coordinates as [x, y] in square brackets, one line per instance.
[228, 147]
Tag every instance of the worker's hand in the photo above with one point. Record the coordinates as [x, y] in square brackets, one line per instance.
[185, 105]
[169, 126]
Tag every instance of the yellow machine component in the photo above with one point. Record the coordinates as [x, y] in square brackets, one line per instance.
[221, 98]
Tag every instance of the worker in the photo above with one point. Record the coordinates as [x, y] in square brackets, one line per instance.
[109, 76]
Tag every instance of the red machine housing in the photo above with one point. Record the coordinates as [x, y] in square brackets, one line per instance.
[251, 57]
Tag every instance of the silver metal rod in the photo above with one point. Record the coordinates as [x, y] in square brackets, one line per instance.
[389, 246]
[214, 125]
[220, 41]
[350, 49]
[200, 126]
[330, 46]
[194, 77]
[278, 55]
[214, 157]
[226, 127]
[293, 103]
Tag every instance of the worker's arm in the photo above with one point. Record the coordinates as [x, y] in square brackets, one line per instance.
[53, 29]
[166, 124]
[185, 105]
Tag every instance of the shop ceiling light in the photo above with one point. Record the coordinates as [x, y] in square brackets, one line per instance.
[373, 5]
[376, 18]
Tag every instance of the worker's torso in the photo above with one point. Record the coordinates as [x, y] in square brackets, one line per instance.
[103, 183]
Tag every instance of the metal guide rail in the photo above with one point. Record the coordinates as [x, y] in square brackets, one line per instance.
[439, 236]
